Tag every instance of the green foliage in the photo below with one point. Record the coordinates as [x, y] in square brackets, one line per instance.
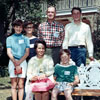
[30, 11]
[3, 12]
[1, 48]
[97, 44]
[52, 2]
[24, 9]
[4, 71]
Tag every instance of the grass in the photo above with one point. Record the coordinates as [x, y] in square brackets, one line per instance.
[5, 86]
[5, 92]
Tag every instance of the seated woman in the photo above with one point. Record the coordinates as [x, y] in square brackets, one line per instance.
[66, 76]
[39, 67]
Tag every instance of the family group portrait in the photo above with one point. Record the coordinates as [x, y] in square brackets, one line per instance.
[49, 50]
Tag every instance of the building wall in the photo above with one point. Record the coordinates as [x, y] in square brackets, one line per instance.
[89, 18]
[90, 11]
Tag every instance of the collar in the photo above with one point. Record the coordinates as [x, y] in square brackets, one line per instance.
[77, 24]
[15, 34]
[52, 23]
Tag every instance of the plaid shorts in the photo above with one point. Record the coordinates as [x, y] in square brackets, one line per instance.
[61, 86]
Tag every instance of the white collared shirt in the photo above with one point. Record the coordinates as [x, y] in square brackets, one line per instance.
[78, 35]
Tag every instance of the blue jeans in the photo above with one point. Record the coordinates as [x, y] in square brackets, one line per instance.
[78, 55]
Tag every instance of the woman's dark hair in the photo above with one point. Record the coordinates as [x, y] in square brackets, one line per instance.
[39, 41]
[17, 22]
[76, 8]
[67, 51]
[27, 23]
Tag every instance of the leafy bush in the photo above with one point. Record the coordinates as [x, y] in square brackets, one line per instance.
[3, 71]
[97, 44]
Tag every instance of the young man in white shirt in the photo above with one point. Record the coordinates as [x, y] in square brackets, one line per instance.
[77, 38]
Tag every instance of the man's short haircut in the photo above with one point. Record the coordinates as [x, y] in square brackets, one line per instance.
[39, 41]
[27, 23]
[67, 51]
[49, 6]
[17, 22]
[76, 8]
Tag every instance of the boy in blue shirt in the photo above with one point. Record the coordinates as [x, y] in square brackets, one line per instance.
[18, 51]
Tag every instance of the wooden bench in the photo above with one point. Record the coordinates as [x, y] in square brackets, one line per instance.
[85, 92]
[89, 80]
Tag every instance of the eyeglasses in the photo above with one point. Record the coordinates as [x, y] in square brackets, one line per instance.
[29, 27]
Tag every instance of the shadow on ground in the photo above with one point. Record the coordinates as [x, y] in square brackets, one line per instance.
[9, 98]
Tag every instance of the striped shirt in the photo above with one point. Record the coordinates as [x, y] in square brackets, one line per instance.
[53, 33]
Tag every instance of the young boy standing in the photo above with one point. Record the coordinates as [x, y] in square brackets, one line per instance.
[29, 29]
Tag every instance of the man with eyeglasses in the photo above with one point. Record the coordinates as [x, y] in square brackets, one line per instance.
[77, 38]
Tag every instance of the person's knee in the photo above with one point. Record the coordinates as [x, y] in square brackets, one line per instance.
[14, 86]
[20, 86]
[68, 95]
[54, 94]
[46, 93]
[45, 96]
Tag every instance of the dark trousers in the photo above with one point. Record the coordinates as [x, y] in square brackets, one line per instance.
[54, 53]
[78, 55]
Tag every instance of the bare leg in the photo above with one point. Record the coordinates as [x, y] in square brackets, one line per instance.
[45, 95]
[55, 92]
[20, 88]
[67, 93]
[38, 96]
[13, 88]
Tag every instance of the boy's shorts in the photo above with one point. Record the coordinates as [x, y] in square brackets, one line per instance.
[61, 86]
[12, 67]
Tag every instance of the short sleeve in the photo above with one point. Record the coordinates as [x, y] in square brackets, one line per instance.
[76, 71]
[8, 42]
[27, 43]
[55, 71]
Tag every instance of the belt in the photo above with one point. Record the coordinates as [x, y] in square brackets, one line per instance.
[79, 46]
[17, 58]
